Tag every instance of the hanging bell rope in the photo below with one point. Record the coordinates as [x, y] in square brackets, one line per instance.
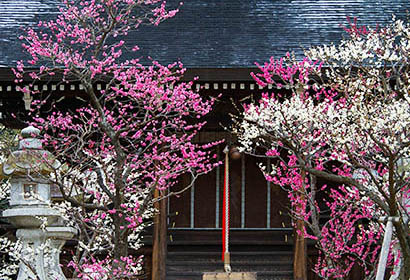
[225, 216]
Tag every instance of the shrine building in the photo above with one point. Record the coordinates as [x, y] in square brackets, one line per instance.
[218, 41]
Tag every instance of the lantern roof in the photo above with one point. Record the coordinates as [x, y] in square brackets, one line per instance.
[30, 158]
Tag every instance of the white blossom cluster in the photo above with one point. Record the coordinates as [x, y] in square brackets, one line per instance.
[8, 260]
[351, 120]
[9, 257]
[95, 228]
[364, 124]
[371, 70]
[374, 46]
[297, 119]
[371, 109]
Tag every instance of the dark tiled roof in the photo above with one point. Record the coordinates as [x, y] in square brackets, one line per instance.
[221, 33]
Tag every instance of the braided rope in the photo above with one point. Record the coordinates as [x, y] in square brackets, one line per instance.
[225, 218]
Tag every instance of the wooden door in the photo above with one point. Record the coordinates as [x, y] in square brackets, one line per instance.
[254, 202]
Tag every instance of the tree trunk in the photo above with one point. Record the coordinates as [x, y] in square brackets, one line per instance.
[159, 246]
[405, 269]
[120, 239]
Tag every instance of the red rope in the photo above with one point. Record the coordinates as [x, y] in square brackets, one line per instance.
[225, 209]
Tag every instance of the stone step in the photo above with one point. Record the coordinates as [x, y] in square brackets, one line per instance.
[234, 253]
[235, 256]
[255, 265]
[191, 264]
[197, 275]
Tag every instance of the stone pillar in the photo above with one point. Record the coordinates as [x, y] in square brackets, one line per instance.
[56, 238]
[32, 254]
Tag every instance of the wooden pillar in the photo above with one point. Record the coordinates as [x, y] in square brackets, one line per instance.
[159, 239]
[299, 254]
[300, 248]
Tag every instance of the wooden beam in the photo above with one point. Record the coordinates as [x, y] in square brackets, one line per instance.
[220, 74]
[159, 242]
[299, 254]
[300, 247]
[204, 74]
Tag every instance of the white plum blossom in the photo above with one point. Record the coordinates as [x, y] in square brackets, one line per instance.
[345, 118]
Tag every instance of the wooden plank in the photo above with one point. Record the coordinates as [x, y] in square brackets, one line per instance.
[235, 193]
[279, 208]
[205, 197]
[237, 237]
[179, 212]
[255, 197]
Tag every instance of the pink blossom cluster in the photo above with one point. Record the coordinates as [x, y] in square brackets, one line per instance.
[103, 269]
[133, 135]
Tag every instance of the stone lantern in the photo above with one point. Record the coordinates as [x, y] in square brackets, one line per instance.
[40, 228]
